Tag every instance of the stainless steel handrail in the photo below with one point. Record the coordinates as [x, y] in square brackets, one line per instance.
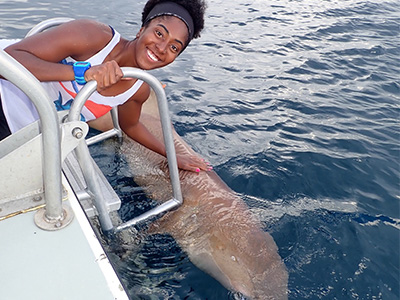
[177, 199]
[22, 78]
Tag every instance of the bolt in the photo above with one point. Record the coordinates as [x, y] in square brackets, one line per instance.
[37, 198]
[77, 133]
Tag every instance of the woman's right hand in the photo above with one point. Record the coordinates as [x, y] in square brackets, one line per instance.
[106, 74]
[192, 163]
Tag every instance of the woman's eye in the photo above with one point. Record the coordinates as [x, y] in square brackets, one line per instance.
[158, 33]
[174, 48]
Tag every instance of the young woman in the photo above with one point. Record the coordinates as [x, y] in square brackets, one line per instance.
[66, 57]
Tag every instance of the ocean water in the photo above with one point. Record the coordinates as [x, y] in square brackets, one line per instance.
[296, 105]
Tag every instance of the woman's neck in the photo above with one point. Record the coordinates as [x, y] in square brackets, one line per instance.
[124, 53]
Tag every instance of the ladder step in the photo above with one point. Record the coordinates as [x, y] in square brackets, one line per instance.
[75, 177]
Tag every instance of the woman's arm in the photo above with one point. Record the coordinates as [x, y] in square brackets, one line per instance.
[79, 39]
[129, 114]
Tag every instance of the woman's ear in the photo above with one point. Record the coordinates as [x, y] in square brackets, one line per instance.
[140, 32]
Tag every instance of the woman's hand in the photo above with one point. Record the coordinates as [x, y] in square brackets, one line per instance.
[106, 75]
[192, 163]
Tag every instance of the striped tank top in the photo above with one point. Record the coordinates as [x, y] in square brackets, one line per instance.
[20, 111]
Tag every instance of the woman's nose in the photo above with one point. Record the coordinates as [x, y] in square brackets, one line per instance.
[162, 46]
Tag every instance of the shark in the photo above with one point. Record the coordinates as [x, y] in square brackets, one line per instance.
[214, 226]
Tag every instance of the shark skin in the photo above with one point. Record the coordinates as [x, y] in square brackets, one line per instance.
[213, 226]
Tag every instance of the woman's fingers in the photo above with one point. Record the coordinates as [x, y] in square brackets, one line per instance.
[193, 164]
[106, 74]
[201, 164]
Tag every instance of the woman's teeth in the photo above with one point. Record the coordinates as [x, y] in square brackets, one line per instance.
[152, 56]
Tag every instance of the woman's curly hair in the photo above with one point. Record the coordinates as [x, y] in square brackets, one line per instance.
[196, 9]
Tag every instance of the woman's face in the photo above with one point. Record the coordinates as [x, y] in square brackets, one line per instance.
[160, 42]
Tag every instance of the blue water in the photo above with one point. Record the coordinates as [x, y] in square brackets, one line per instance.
[296, 105]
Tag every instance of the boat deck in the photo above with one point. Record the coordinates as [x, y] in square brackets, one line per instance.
[65, 264]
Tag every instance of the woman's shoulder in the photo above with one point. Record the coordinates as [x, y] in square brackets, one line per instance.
[90, 28]
[84, 37]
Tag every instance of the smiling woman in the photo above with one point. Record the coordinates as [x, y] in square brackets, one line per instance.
[66, 57]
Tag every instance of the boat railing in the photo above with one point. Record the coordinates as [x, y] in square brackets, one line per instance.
[55, 217]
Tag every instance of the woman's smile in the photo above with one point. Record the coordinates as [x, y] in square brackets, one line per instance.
[152, 56]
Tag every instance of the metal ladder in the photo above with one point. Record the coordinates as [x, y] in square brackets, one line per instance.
[73, 139]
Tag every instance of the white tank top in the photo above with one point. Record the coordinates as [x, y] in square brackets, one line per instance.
[20, 111]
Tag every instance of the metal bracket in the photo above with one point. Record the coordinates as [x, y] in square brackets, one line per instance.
[43, 222]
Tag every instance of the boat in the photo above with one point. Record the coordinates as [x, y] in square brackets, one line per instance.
[50, 186]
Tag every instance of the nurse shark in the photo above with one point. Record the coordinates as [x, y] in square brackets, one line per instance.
[213, 226]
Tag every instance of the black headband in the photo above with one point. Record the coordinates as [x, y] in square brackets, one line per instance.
[172, 9]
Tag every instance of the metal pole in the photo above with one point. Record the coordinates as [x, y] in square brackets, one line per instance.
[90, 87]
[156, 211]
[85, 159]
[115, 131]
[90, 175]
[21, 77]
